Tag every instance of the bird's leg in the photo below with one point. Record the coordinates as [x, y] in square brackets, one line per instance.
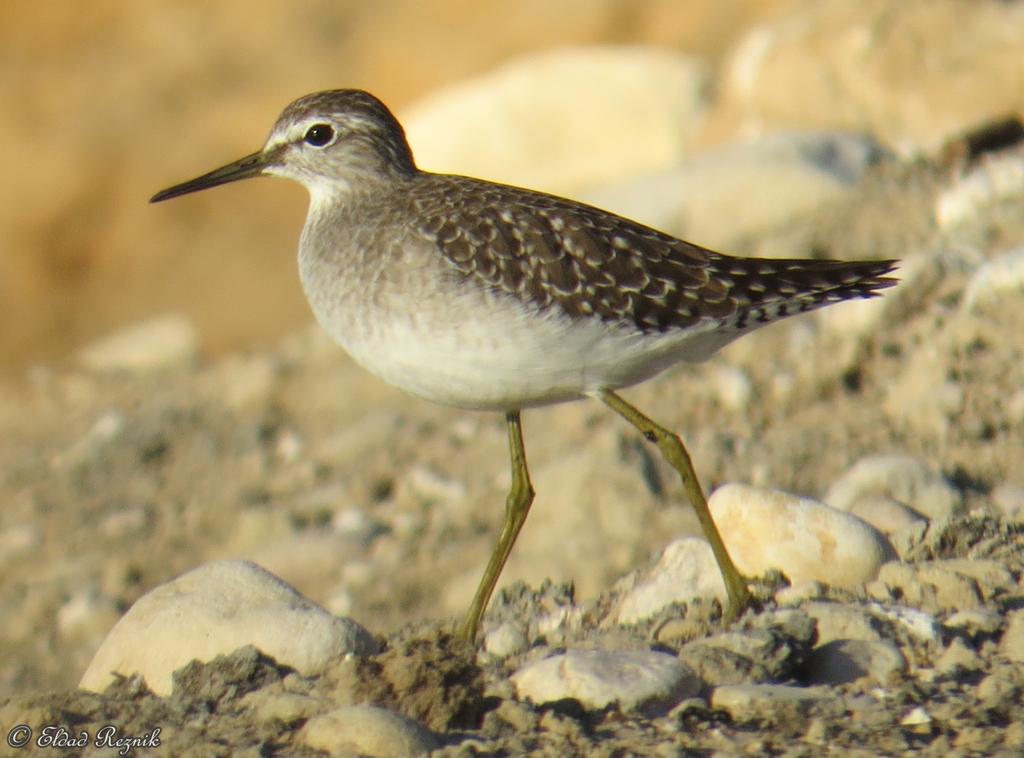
[672, 448]
[517, 506]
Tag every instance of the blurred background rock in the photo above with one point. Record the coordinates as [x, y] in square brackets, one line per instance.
[108, 101]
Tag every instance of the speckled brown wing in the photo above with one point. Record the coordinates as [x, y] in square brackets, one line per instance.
[590, 263]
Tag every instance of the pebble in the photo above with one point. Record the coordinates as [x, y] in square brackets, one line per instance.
[837, 622]
[958, 658]
[917, 716]
[996, 178]
[932, 586]
[900, 477]
[844, 661]
[367, 730]
[214, 610]
[747, 701]
[685, 570]
[919, 623]
[885, 514]
[1012, 643]
[161, 343]
[982, 621]
[733, 387]
[506, 639]
[998, 280]
[636, 680]
[799, 592]
[807, 540]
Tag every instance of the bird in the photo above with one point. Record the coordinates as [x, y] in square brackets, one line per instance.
[489, 297]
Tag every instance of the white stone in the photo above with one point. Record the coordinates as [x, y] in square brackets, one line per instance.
[367, 730]
[901, 477]
[997, 178]
[733, 387]
[799, 592]
[779, 176]
[633, 679]
[998, 280]
[214, 610]
[742, 700]
[506, 639]
[565, 119]
[160, 343]
[807, 540]
[919, 623]
[916, 717]
[885, 514]
[686, 569]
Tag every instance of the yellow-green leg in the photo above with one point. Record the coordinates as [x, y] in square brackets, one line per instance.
[517, 506]
[672, 448]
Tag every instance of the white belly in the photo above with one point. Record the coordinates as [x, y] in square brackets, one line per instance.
[441, 338]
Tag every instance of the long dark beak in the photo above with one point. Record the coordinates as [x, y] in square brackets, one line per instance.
[244, 168]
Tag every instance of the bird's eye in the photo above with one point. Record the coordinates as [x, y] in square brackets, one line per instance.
[319, 135]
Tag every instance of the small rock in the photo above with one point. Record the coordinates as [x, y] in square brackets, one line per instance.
[899, 477]
[747, 701]
[885, 514]
[958, 658]
[920, 624]
[931, 585]
[161, 343]
[1012, 643]
[841, 622]
[733, 387]
[807, 540]
[243, 382]
[507, 639]
[214, 610]
[996, 178]
[916, 717]
[799, 592]
[634, 679]
[998, 280]
[844, 661]
[367, 730]
[975, 621]
[990, 575]
[685, 570]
